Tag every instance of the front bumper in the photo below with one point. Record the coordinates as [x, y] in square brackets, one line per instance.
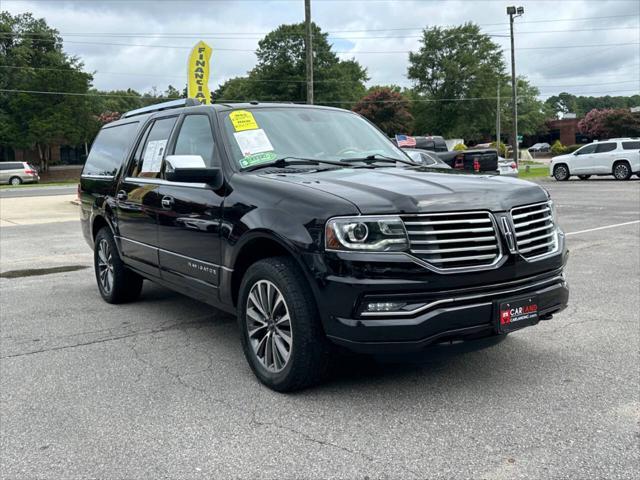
[445, 315]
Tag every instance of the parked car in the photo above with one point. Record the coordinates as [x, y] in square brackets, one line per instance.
[507, 168]
[16, 173]
[315, 230]
[619, 157]
[539, 148]
[426, 159]
[484, 160]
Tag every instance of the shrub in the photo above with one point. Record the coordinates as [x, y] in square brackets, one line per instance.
[557, 148]
[572, 148]
[502, 148]
[460, 146]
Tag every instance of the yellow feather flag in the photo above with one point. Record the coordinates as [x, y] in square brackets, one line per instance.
[198, 73]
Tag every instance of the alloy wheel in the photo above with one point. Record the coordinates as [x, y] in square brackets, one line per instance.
[16, 181]
[105, 266]
[621, 171]
[269, 325]
[561, 173]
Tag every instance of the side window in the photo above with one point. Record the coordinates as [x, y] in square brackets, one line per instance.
[152, 149]
[631, 145]
[109, 149]
[588, 149]
[196, 138]
[605, 147]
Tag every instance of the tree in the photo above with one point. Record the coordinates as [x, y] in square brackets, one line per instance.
[32, 55]
[610, 123]
[280, 74]
[452, 67]
[532, 113]
[388, 109]
[580, 105]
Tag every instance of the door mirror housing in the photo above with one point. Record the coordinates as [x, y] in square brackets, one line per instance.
[192, 169]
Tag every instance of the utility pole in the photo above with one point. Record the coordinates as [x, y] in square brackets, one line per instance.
[498, 119]
[513, 13]
[309, 48]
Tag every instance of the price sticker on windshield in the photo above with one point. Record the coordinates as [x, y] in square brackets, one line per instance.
[253, 141]
[243, 120]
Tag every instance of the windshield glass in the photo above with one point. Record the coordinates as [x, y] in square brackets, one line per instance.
[264, 135]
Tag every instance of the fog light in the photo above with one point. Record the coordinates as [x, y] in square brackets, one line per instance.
[385, 306]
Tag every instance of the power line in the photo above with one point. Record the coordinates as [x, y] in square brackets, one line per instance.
[409, 100]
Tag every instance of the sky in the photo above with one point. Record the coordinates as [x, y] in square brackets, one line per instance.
[589, 47]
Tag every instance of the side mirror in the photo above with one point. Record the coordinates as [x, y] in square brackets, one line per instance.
[192, 169]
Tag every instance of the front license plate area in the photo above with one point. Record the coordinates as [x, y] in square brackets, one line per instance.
[517, 313]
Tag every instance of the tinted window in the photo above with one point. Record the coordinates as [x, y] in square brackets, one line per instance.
[588, 149]
[10, 166]
[154, 148]
[196, 138]
[631, 145]
[605, 147]
[109, 149]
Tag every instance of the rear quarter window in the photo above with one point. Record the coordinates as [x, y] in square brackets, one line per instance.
[109, 149]
[631, 145]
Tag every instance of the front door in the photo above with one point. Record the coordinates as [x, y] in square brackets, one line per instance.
[583, 161]
[138, 199]
[190, 217]
[602, 159]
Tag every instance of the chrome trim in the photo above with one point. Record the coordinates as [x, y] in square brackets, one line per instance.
[555, 233]
[88, 175]
[119, 237]
[162, 181]
[463, 298]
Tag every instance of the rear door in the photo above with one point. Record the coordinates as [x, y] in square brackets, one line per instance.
[138, 198]
[602, 159]
[191, 213]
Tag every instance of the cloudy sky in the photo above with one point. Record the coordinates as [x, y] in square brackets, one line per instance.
[582, 46]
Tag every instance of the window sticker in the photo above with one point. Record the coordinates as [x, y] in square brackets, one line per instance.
[253, 141]
[243, 120]
[153, 154]
[257, 158]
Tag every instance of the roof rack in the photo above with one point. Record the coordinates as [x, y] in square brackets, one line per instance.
[182, 102]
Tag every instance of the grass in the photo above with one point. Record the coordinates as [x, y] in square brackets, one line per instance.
[534, 172]
[67, 183]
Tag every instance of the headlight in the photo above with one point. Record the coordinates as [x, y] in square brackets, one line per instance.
[554, 213]
[373, 234]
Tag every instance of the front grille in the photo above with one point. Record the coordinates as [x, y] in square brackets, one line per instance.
[454, 240]
[535, 231]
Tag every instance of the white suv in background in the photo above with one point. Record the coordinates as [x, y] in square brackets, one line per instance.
[619, 157]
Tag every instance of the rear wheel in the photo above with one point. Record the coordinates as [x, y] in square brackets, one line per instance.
[281, 334]
[561, 173]
[15, 181]
[584, 177]
[117, 284]
[621, 171]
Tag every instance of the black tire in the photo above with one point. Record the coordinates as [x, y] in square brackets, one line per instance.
[622, 170]
[15, 181]
[584, 177]
[561, 172]
[308, 358]
[116, 283]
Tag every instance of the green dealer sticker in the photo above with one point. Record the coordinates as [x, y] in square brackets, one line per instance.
[257, 158]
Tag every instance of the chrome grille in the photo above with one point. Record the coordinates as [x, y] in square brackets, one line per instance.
[535, 231]
[454, 240]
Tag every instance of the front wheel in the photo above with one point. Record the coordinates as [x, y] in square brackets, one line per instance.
[622, 171]
[281, 334]
[561, 173]
[117, 284]
[584, 177]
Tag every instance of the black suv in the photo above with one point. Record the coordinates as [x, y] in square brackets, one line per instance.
[312, 227]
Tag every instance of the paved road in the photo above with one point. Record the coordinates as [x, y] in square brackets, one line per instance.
[160, 388]
[42, 191]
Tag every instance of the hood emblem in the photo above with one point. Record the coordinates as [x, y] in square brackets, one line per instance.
[508, 235]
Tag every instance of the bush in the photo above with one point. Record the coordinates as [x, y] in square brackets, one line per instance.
[557, 148]
[460, 146]
[502, 149]
[572, 148]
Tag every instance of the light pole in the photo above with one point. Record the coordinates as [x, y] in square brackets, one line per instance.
[514, 12]
[309, 50]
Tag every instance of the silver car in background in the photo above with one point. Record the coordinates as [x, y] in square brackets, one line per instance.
[507, 168]
[15, 173]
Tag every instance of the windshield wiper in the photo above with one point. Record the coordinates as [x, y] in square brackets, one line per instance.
[284, 161]
[376, 157]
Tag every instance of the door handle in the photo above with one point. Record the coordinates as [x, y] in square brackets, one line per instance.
[167, 202]
[122, 195]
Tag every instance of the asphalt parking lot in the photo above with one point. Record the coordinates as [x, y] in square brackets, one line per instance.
[160, 388]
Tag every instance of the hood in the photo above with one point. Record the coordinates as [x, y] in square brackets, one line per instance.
[398, 190]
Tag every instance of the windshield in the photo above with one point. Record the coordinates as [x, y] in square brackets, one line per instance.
[263, 135]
